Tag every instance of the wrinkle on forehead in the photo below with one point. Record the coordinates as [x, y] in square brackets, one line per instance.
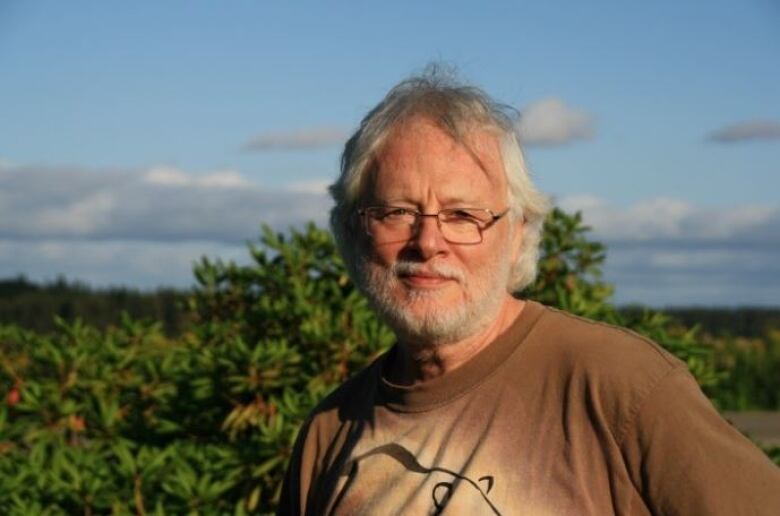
[480, 143]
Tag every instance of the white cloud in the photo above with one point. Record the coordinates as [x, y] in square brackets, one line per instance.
[551, 121]
[81, 216]
[142, 228]
[296, 140]
[146, 228]
[170, 176]
[166, 176]
[133, 263]
[159, 204]
[223, 179]
[720, 275]
[671, 252]
[675, 220]
[749, 130]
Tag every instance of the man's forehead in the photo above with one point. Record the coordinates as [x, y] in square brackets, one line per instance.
[420, 139]
[469, 134]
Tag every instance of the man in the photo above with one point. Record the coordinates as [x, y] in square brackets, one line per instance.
[488, 404]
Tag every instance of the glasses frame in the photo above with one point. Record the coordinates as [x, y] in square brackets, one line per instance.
[418, 215]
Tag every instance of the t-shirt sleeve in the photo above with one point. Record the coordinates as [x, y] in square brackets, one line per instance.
[684, 458]
[292, 500]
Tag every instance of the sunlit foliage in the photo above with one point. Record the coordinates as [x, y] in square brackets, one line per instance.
[129, 421]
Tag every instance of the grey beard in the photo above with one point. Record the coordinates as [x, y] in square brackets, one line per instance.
[439, 325]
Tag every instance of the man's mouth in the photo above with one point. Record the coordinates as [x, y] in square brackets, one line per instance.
[417, 276]
[422, 280]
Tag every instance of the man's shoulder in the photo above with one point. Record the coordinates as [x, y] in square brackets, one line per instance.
[598, 345]
[609, 368]
[609, 364]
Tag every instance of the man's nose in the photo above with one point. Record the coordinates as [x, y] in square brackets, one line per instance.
[428, 238]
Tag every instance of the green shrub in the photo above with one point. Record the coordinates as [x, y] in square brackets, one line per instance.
[129, 421]
[751, 371]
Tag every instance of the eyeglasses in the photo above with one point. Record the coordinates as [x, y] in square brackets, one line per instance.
[387, 224]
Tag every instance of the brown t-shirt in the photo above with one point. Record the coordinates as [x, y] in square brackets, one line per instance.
[560, 415]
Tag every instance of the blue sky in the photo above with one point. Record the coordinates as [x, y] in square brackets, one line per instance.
[135, 137]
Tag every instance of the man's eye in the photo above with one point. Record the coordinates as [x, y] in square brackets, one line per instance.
[396, 213]
[458, 216]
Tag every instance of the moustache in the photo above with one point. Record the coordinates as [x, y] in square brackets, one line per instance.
[405, 268]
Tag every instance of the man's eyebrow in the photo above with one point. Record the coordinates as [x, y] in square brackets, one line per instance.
[453, 202]
[460, 200]
[393, 201]
[463, 202]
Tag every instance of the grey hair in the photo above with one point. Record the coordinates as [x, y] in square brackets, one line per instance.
[458, 109]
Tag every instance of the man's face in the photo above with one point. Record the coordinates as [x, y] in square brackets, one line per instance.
[428, 288]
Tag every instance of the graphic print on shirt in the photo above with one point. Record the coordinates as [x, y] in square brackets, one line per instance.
[392, 465]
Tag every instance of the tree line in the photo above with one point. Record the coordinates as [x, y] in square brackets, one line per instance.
[34, 306]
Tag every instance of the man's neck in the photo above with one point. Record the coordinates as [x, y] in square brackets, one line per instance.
[419, 362]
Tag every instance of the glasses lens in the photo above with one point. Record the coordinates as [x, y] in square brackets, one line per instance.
[461, 232]
[458, 226]
[390, 224]
[462, 226]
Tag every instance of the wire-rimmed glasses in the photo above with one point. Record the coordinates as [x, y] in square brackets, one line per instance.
[387, 224]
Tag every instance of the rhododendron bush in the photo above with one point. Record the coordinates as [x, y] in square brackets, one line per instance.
[128, 421]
